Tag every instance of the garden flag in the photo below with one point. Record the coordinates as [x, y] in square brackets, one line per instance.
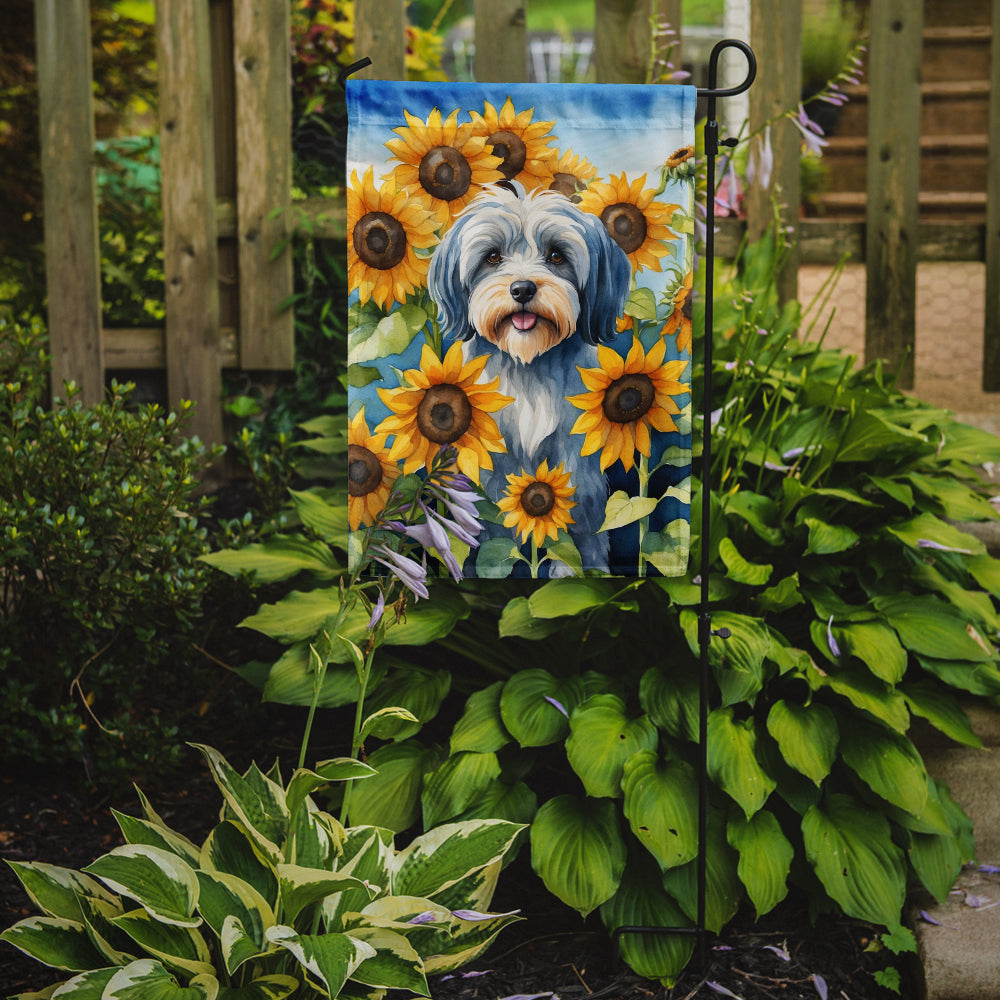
[520, 266]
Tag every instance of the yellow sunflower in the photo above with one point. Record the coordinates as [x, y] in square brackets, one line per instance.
[626, 397]
[679, 321]
[442, 402]
[384, 232]
[571, 175]
[523, 147]
[370, 473]
[634, 221]
[539, 504]
[443, 164]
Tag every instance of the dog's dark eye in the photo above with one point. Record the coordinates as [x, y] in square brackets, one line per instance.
[493, 257]
[556, 257]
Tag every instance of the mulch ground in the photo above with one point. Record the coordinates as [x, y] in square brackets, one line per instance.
[550, 953]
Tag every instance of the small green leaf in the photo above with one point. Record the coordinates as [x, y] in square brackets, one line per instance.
[807, 736]
[888, 763]
[391, 798]
[481, 727]
[330, 958]
[535, 706]
[671, 700]
[622, 510]
[930, 627]
[765, 858]
[738, 569]
[495, 558]
[456, 784]
[732, 761]
[279, 558]
[559, 598]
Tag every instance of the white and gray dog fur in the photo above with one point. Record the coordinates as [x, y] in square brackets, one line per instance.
[536, 283]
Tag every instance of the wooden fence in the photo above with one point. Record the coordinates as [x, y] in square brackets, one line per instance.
[226, 161]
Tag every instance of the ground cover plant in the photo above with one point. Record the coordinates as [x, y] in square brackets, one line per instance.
[854, 604]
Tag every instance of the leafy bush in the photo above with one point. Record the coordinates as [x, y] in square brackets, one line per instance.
[99, 539]
[854, 604]
[279, 899]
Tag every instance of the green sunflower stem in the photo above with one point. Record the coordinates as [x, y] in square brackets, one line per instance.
[535, 561]
[643, 470]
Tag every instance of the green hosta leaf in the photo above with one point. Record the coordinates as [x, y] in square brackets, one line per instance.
[928, 528]
[141, 831]
[530, 705]
[986, 571]
[931, 628]
[180, 948]
[937, 858]
[56, 891]
[893, 488]
[98, 914]
[765, 858]
[760, 512]
[975, 605]
[417, 690]
[330, 959]
[275, 987]
[965, 443]
[622, 509]
[387, 722]
[456, 784]
[941, 709]
[870, 436]
[738, 661]
[328, 520]
[868, 693]
[783, 595]
[976, 678]
[723, 889]
[876, 646]
[641, 901]
[807, 736]
[850, 847]
[395, 964]
[163, 884]
[957, 501]
[468, 940]
[661, 799]
[481, 728]
[602, 738]
[230, 849]
[225, 897]
[301, 887]
[147, 979]
[559, 598]
[292, 680]
[578, 851]
[54, 941]
[732, 760]
[391, 798]
[279, 558]
[515, 803]
[517, 620]
[738, 569]
[828, 539]
[671, 701]
[304, 782]
[888, 763]
[438, 859]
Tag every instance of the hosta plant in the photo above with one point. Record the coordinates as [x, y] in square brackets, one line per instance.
[279, 900]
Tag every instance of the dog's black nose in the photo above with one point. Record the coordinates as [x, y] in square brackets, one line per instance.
[523, 291]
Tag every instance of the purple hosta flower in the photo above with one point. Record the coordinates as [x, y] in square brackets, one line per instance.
[455, 491]
[377, 611]
[927, 918]
[760, 164]
[466, 975]
[558, 705]
[427, 917]
[780, 952]
[408, 571]
[453, 526]
[834, 648]
[820, 983]
[432, 536]
[531, 996]
[728, 194]
[719, 988]
[475, 915]
[990, 869]
[927, 543]
[812, 134]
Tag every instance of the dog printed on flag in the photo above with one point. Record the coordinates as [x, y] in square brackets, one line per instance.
[520, 268]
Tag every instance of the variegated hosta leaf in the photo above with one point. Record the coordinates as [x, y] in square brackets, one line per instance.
[304, 782]
[481, 727]
[301, 887]
[158, 880]
[467, 940]
[807, 736]
[850, 847]
[275, 987]
[732, 760]
[54, 941]
[149, 980]
[456, 784]
[602, 737]
[56, 891]
[661, 799]
[116, 947]
[367, 853]
[441, 857]
[315, 838]
[141, 831]
[230, 849]
[329, 959]
[177, 947]
[765, 858]
[395, 964]
[225, 897]
[475, 891]
[578, 851]
[642, 902]
[86, 986]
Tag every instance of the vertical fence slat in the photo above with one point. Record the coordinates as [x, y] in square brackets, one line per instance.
[621, 40]
[190, 253]
[72, 257]
[776, 34]
[501, 41]
[991, 332]
[380, 34]
[893, 183]
[261, 57]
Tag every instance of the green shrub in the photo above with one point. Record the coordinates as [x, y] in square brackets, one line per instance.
[99, 541]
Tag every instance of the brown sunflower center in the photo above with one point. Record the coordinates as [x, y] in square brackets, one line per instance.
[566, 184]
[538, 499]
[379, 240]
[628, 398]
[444, 414]
[626, 225]
[445, 173]
[512, 152]
[364, 471]
[679, 156]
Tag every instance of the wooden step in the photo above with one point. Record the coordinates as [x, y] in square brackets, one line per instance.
[945, 106]
[956, 53]
[958, 206]
[940, 13]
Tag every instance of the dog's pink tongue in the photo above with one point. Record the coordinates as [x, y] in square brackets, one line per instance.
[524, 320]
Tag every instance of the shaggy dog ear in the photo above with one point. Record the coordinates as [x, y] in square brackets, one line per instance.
[445, 285]
[603, 299]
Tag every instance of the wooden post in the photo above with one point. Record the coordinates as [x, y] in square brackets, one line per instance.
[501, 41]
[190, 253]
[261, 57]
[991, 333]
[776, 35]
[380, 34]
[621, 40]
[72, 255]
[893, 183]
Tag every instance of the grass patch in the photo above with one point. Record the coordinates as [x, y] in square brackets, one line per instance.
[578, 15]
